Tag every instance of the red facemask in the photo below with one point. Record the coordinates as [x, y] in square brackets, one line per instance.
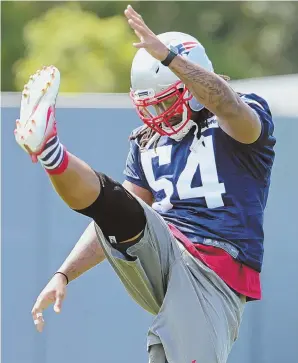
[162, 110]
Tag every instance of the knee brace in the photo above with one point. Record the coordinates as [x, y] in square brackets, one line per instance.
[116, 212]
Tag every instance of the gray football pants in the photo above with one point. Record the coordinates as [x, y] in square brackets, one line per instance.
[197, 316]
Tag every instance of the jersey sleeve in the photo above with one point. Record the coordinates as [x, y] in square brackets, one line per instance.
[133, 171]
[261, 108]
[257, 158]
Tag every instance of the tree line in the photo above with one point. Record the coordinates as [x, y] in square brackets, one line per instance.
[91, 43]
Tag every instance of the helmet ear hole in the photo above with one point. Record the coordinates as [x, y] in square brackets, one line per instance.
[157, 70]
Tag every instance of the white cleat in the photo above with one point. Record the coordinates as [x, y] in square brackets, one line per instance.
[37, 115]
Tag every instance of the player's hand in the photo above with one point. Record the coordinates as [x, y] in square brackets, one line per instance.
[53, 293]
[148, 39]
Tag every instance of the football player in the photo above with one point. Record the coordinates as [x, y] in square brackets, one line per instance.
[184, 232]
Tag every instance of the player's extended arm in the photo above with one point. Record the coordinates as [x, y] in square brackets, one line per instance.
[235, 117]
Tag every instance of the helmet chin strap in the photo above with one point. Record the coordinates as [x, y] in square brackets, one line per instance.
[183, 132]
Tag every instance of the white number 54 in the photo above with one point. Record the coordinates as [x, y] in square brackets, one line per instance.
[204, 157]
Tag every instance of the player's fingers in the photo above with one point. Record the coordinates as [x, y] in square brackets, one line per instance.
[58, 302]
[138, 27]
[139, 35]
[37, 316]
[139, 45]
[136, 14]
[133, 12]
[136, 18]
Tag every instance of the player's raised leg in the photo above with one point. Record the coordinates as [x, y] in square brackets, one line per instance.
[75, 182]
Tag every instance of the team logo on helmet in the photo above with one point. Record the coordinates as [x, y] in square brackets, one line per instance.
[184, 48]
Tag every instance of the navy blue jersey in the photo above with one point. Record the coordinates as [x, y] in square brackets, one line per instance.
[213, 189]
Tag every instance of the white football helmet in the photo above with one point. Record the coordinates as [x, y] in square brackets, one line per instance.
[158, 94]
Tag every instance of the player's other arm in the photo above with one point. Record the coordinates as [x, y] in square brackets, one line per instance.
[235, 117]
[86, 254]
